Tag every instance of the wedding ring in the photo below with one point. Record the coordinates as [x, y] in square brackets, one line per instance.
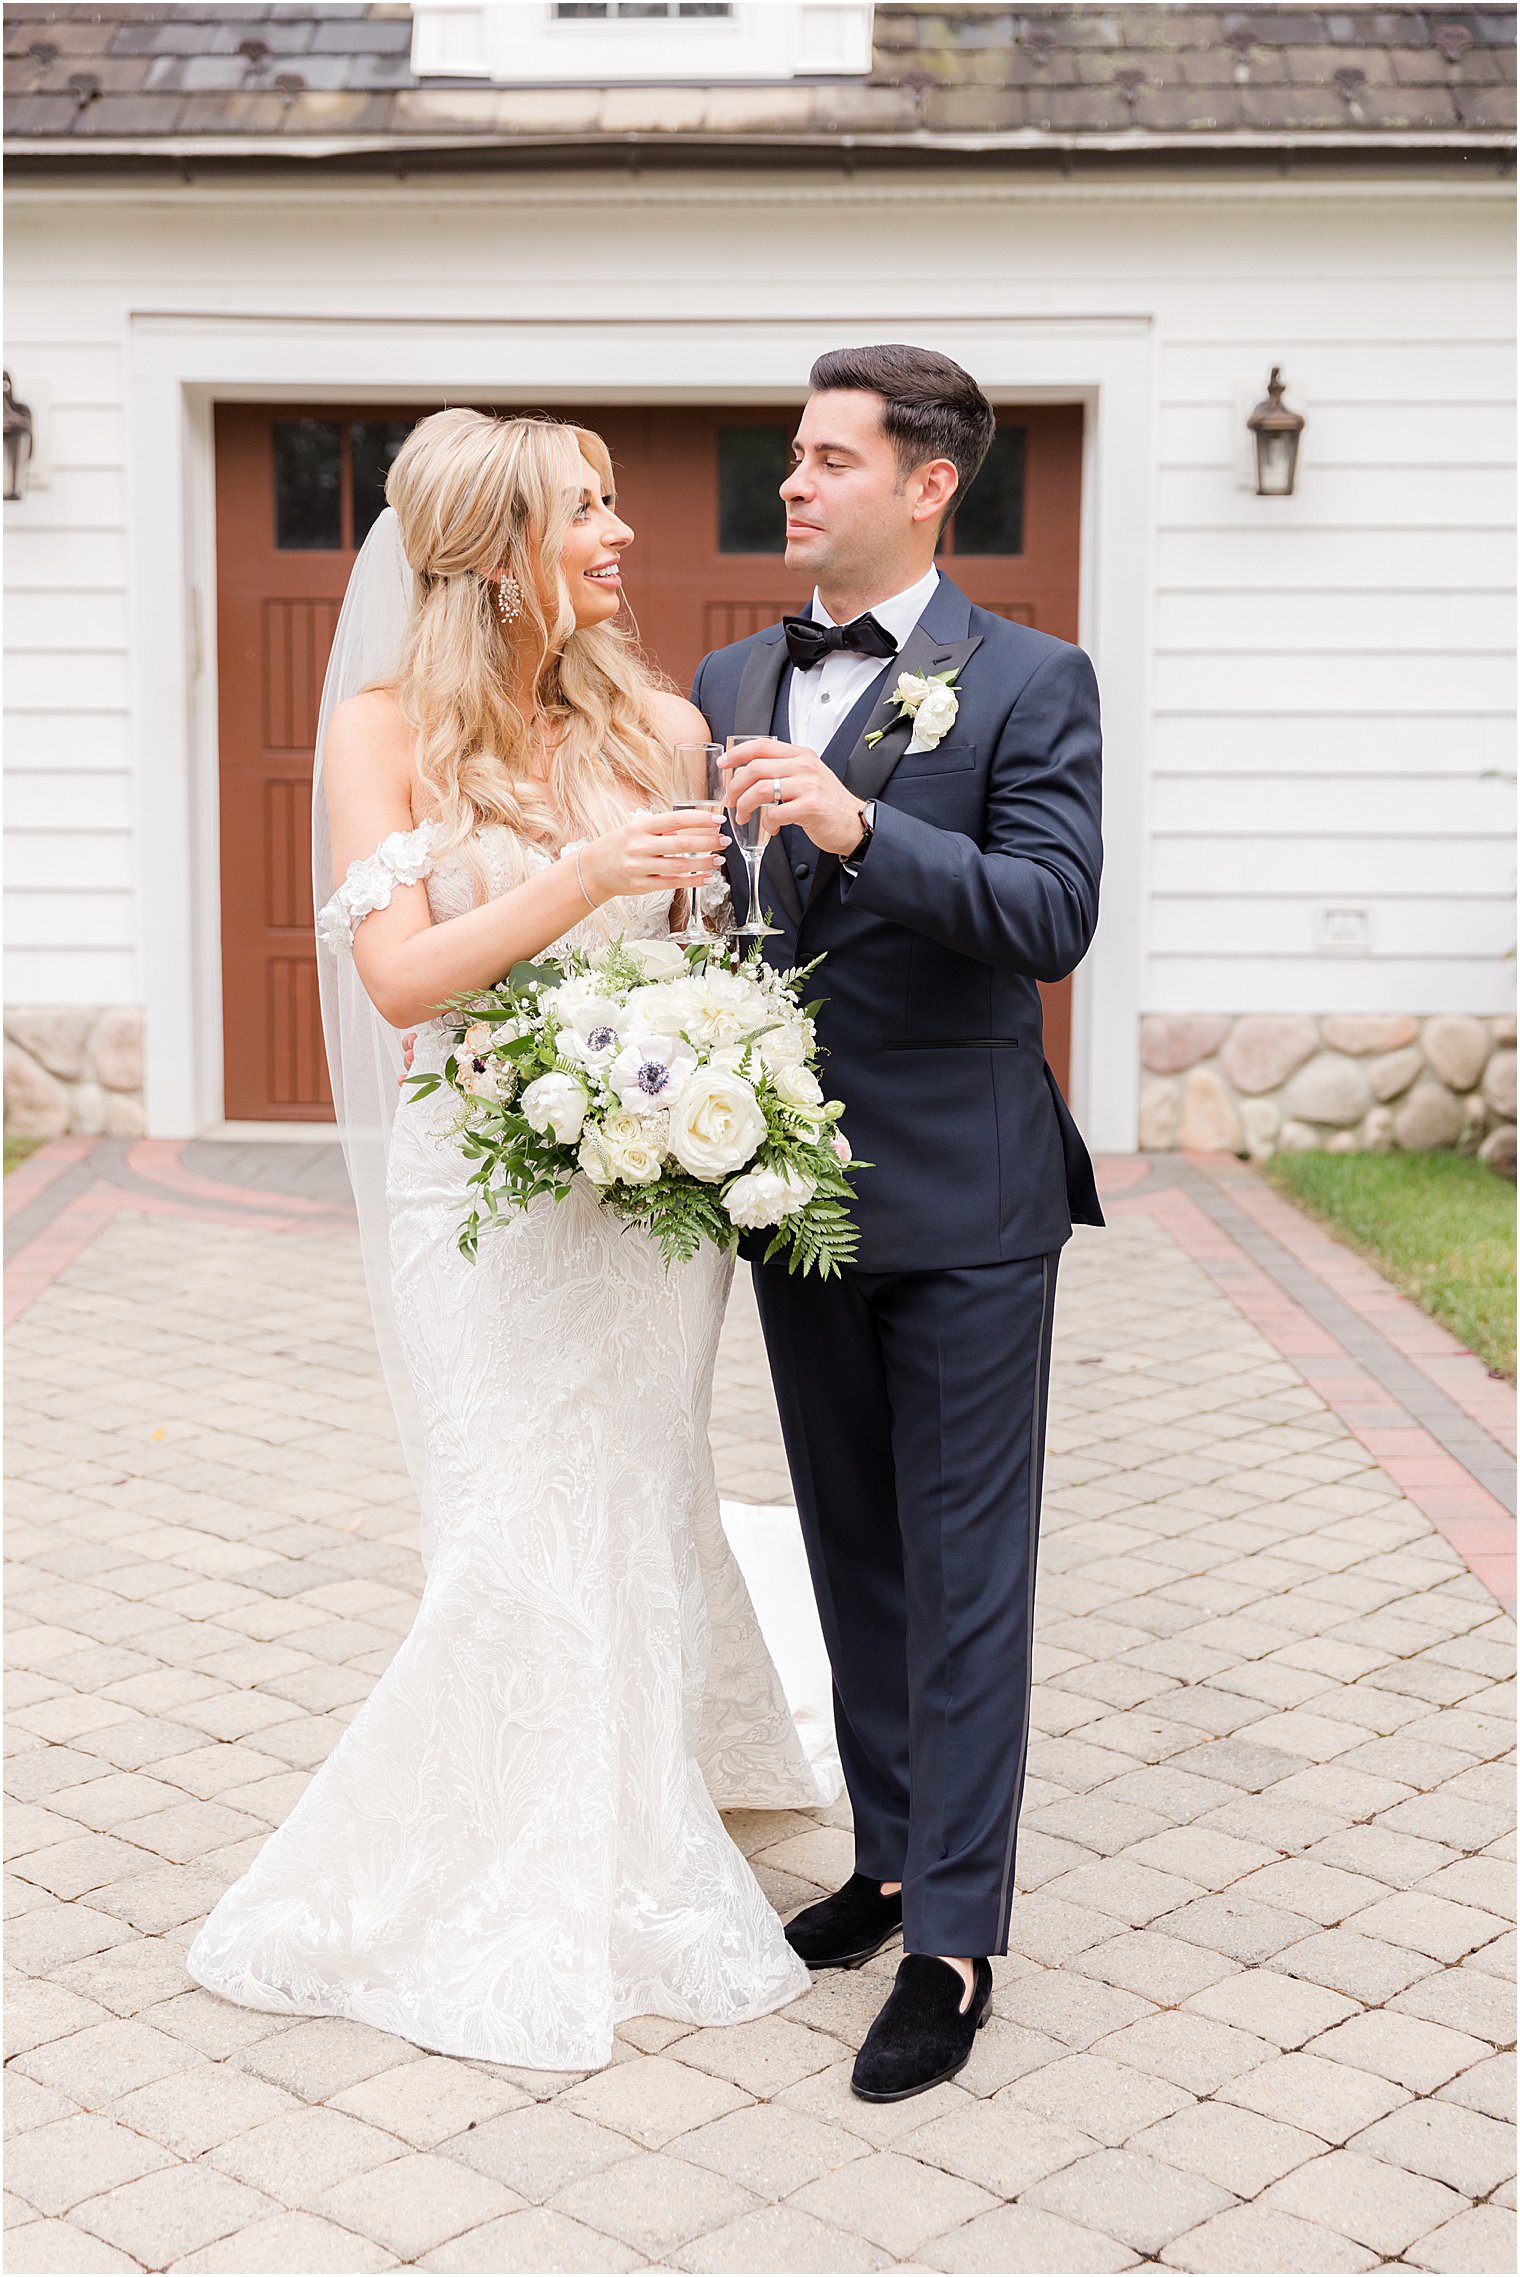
[778, 797]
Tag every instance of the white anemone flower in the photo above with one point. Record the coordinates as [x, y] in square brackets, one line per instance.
[648, 1072]
[591, 1036]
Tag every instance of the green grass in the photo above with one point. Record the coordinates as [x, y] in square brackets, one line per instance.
[1441, 1227]
[17, 1150]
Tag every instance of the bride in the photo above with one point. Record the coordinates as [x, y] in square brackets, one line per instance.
[516, 1843]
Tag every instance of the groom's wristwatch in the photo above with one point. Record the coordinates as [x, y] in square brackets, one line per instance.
[857, 853]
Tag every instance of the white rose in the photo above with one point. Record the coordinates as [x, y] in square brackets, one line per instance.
[934, 717]
[715, 1124]
[631, 1147]
[591, 1157]
[556, 1104]
[649, 1071]
[658, 959]
[765, 1197]
[797, 1086]
[911, 689]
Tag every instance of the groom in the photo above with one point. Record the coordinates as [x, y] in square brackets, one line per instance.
[941, 876]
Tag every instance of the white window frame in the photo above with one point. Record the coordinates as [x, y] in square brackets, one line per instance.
[522, 43]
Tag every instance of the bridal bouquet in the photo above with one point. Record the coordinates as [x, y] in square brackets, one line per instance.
[680, 1081]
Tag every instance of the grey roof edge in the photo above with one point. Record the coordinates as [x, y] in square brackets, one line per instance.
[1467, 143]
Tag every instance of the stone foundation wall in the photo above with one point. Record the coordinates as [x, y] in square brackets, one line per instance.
[1246, 1085]
[74, 1068]
[1254, 1083]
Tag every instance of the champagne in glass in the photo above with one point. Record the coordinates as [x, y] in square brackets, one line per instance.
[697, 783]
[750, 836]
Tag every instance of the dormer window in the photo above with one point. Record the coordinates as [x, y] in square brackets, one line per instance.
[613, 42]
[576, 10]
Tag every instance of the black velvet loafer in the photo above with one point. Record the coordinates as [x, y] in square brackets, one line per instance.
[841, 1931]
[921, 2036]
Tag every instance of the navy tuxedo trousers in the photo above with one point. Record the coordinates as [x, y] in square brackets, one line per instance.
[913, 1410]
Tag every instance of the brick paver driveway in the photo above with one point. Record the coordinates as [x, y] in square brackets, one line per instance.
[1260, 1985]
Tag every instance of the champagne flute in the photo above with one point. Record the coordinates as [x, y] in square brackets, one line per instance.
[750, 836]
[697, 783]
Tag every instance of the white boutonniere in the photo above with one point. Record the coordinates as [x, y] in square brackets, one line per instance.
[929, 701]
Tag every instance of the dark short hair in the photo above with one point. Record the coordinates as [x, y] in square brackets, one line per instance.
[931, 409]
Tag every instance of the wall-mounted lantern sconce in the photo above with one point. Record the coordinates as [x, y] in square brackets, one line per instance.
[18, 442]
[1275, 430]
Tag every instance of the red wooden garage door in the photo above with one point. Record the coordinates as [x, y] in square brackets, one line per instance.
[296, 489]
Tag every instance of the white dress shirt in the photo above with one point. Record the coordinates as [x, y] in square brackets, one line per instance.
[825, 694]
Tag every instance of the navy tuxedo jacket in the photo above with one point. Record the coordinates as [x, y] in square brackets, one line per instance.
[980, 880]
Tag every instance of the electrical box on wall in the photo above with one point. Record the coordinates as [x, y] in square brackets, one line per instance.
[1343, 929]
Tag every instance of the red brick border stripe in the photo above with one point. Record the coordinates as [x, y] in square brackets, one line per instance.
[32, 1178]
[1460, 1374]
[1461, 1509]
[155, 1184]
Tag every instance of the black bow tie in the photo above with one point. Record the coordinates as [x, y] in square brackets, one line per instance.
[808, 643]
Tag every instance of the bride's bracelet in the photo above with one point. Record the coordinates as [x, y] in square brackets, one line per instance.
[581, 882]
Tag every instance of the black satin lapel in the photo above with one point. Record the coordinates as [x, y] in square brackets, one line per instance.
[869, 766]
[755, 704]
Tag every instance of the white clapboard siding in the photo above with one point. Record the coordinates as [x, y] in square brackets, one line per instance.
[1280, 556]
[1392, 744]
[57, 623]
[60, 917]
[68, 972]
[1405, 807]
[101, 800]
[1451, 624]
[1477, 925]
[86, 435]
[84, 859]
[1401, 369]
[71, 857]
[52, 560]
[64, 742]
[1352, 680]
[1289, 978]
[1345, 498]
[85, 500]
[1331, 678]
[1263, 865]
[93, 682]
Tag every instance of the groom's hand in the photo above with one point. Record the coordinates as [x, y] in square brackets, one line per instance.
[812, 796]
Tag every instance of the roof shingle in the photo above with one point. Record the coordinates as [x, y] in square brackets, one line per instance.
[1134, 76]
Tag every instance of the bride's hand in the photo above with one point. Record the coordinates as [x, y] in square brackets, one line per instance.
[653, 853]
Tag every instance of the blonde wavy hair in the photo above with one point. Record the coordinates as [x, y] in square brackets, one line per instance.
[477, 497]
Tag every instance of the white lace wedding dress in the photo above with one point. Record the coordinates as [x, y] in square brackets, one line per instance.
[516, 1843]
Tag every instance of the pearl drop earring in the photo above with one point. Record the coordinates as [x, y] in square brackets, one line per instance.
[508, 598]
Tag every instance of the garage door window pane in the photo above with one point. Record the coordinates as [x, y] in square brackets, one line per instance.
[308, 485]
[374, 443]
[752, 464]
[991, 518]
